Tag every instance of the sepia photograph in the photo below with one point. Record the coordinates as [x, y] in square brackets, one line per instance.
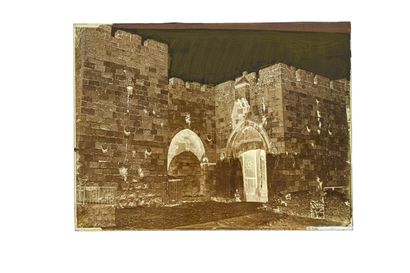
[206, 137]
[213, 126]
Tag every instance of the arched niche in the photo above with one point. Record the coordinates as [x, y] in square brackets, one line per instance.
[185, 141]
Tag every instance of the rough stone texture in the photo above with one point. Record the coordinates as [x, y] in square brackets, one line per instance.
[192, 106]
[265, 99]
[320, 106]
[198, 102]
[305, 120]
[128, 111]
[115, 127]
[337, 206]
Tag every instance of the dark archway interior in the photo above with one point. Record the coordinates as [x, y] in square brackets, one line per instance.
[185, 176]
[229, 178]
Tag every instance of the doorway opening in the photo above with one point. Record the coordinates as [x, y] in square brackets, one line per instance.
[186, 179]
[250, 143]
[255, 186]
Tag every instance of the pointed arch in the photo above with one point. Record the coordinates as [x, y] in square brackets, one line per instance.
[185, 141]
[258, 135]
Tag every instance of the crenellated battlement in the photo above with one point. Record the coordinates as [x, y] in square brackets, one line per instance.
[297, 75]
[281, 72]
[300, 76]
[125, 36]
[176, 82]
[190, 86]
[124, 40]
[276, 73]
[321, 81]
[270, 73]
[155, 45]
[120, 35]
[225, 85]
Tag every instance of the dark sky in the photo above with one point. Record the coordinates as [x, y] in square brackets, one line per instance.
[215, 56]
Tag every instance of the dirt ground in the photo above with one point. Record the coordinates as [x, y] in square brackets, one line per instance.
[212, 215]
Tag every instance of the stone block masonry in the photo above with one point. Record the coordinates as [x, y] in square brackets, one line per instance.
[128, 111]
[316, 129]
[305, 117]
[192, 106]
[122, 111]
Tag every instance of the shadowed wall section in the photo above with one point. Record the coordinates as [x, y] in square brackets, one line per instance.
[186, 179]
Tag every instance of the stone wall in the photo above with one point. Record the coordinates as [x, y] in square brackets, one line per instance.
[305, 118]
[192, 106]
[264, 95]
[316, 130]
[224, 102]
[128, 111]
[121, 111]
[270, 88]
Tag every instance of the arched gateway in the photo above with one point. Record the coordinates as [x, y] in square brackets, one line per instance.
[186, 180]
[249, 142]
